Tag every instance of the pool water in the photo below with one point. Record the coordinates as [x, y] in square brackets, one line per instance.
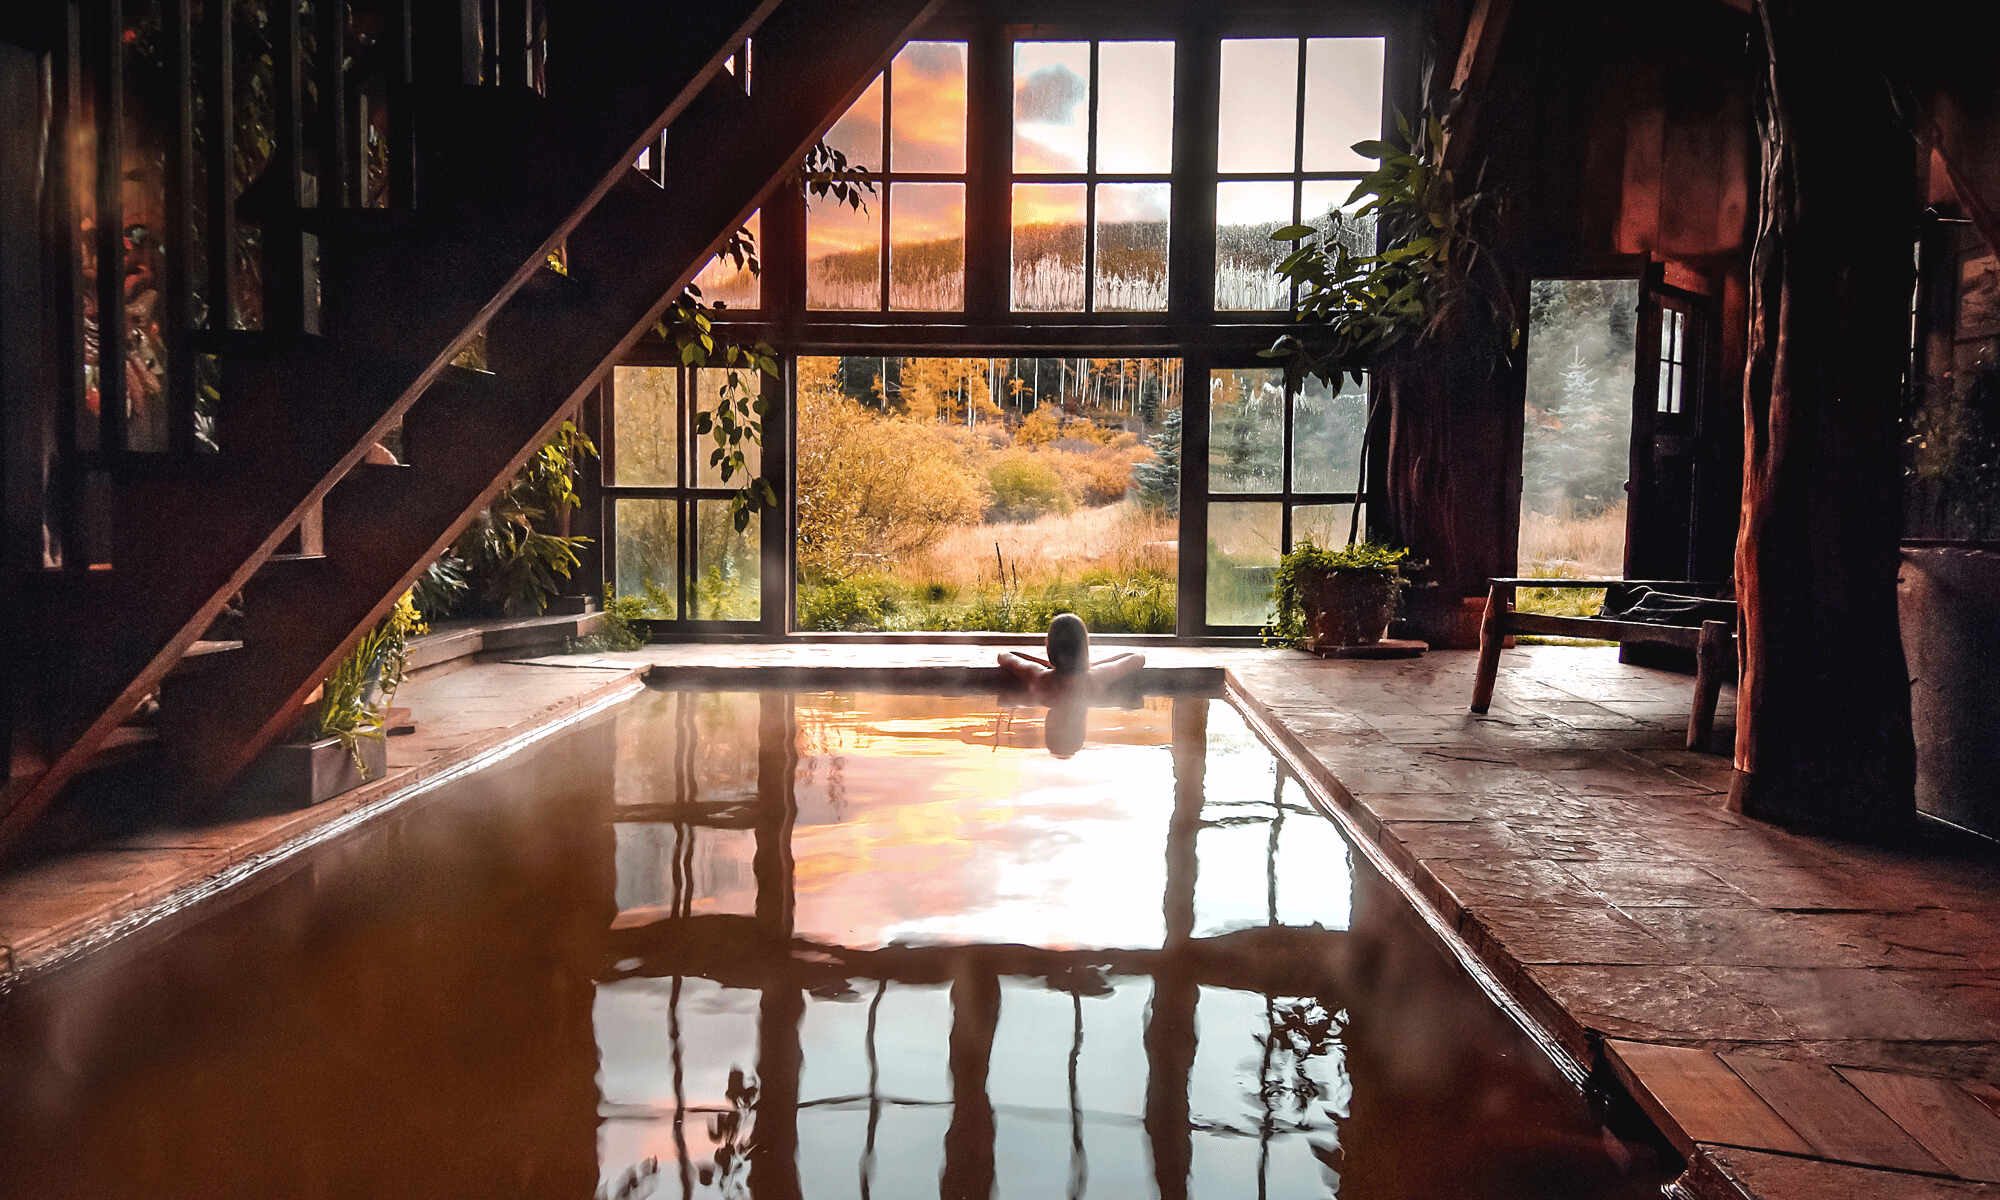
[825, 945]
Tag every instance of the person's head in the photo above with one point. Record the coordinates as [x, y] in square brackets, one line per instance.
[1069, 645]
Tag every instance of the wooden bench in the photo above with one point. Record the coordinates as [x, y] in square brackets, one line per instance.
[1714, 643]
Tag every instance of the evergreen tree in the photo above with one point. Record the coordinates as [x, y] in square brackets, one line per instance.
[1159, 481]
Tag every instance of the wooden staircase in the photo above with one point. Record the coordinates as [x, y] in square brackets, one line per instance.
[502, 164]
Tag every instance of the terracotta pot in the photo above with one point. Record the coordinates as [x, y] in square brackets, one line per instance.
[1349, 607]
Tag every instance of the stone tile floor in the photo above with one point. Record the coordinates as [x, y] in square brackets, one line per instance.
[1726, 971]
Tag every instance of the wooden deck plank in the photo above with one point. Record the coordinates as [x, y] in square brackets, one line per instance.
[1828, 1112]
[1963, 1133]
[1695, 1093]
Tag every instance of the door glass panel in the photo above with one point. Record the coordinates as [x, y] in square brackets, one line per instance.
[645, 414]
[1048, 247]
[1243, 551]
[648, 553]
[1132, 247]
[843, 256]
[927, 108]
[1135, 107]
[858, 133]
[1246, 424]
[1577, 434]
[927, 247]
[725, 586]
[1343, 101]
[1259, 114]
[1246, 214]
[1051, 106]
[1327, 428]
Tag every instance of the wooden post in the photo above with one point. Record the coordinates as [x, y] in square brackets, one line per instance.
[1823, 734]
[1499, 598]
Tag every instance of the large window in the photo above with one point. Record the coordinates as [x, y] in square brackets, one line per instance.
[988, 493]
[984, 419]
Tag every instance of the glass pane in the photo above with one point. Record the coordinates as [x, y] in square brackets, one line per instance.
[647, 546]
[1317, 200]
[644, 414]
[858, 133]
[1048, 247]
[726, 565]
[927, 247]
[1132, 246]
[1246, 214]
[708, 385]
[927, 108]
[912, 470]
[1242, 553]
[1260, 105]
[1327, 428]
[1051, 113]
[1577, 437]
[1343, 101]
[726, 285]
[843, 256]
[1326, 524]
[1246, 415]
[1135, 107]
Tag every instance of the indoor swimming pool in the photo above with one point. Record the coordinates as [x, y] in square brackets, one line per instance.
[810, 944]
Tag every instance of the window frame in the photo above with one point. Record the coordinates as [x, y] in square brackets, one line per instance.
[1190, 330]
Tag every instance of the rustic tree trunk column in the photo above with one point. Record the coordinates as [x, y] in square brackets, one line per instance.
[1823, 726]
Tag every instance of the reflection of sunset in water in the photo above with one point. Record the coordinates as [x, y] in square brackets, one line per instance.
[985, 842]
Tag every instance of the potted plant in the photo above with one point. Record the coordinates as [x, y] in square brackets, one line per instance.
[342, 743]
[1327, 598]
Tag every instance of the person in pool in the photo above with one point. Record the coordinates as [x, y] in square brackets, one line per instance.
[1068, 664]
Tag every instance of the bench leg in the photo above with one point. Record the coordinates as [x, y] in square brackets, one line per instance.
[1715, 660]
[1491, 638]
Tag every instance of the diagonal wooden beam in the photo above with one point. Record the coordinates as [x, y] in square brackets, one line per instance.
[1476, 55]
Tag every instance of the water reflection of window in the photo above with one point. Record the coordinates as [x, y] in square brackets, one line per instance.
[906, 252]
[677, 1058]
[1093, 149]
[1269, 1075]
[1290, 110]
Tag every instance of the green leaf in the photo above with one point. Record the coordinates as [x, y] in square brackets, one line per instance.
[1292, 233]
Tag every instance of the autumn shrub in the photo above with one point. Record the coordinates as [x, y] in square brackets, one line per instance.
[875, 488]
[1025, 485]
